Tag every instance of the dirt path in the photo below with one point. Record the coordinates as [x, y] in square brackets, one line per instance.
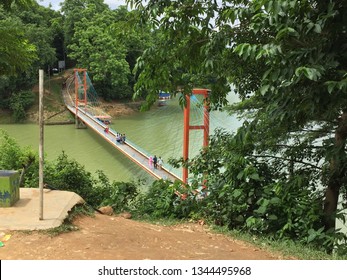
[111, 238]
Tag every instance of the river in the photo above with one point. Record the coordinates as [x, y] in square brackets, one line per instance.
[158, 131]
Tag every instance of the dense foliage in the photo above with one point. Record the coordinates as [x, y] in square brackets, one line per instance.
[14, 157]
[69, 175]
[106, 43]
[34, 45]
[284, 171]
[16, 52]
[85, 34]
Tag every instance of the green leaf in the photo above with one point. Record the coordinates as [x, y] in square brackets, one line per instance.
[261, 210]
[236, 193]
[331, 85]
[254, 176]
[310, 73]
[260, 54]
[275, 201]
[263, 90]
[221, 194]
[243, 50]
[285, 32]
[239, 218]
[272, 217]
[317, 28]
[312, 235]
[251, 221]
[240, 175]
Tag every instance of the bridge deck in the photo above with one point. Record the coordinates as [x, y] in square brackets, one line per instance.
[127, 148]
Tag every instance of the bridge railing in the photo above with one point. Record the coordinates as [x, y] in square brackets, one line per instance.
[67, 95]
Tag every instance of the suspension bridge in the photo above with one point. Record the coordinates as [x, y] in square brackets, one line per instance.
[81, 100]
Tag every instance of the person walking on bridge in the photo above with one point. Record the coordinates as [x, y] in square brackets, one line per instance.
[160, 163]
[155, 161]
[150, 162]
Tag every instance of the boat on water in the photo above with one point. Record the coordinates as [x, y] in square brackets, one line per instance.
[163, 97]
[104, 119]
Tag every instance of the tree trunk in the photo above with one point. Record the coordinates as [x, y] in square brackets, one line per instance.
[337, 173]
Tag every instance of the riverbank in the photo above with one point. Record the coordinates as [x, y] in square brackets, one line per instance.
[63, 116]
[55, 111]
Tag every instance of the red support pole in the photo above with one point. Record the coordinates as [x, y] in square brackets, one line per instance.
[206, 120]
[187, 127]
[76, 97]
[186, 137]
[85, 88]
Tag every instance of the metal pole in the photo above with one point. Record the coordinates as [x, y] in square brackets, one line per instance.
[41, 124]
[76, 98]
[186, 137]
[206, 120]
[85, 89]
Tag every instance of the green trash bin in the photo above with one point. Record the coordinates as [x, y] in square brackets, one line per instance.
[9, 188]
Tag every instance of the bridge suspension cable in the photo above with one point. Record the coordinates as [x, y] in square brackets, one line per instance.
[87, 110]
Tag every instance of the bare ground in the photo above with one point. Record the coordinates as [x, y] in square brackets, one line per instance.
[115, 238]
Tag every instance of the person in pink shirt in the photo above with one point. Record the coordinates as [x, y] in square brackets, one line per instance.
[150, 162]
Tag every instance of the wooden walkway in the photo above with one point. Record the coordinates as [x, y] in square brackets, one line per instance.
[127, 148]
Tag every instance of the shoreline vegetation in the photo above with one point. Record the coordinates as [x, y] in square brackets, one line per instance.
[55, 112]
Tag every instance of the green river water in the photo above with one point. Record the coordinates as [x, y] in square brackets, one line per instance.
[158, 131]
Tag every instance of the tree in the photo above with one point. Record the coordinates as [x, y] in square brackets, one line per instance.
[16, 53]
[8, 4]
[104, 42]
[287, 61]
[181, 57]
[135, 38]
[304, 85]
[94, 48]
[72, 9]
[13, 157]
[42, 31]
[37, 30]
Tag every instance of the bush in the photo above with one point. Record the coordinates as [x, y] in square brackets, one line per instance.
[168, 200]
[14, 157]
[10, 152]
[158, 201]
[19, 103]
[67, 174]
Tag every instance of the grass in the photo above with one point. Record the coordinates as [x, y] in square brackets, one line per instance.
[64, 228]
[158, 221]
[67, 226]
[288, 248]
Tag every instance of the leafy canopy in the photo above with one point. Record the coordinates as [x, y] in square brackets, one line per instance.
[16, 53]
[287, 61]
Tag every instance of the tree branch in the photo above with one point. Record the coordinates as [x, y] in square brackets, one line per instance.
[286, 159]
